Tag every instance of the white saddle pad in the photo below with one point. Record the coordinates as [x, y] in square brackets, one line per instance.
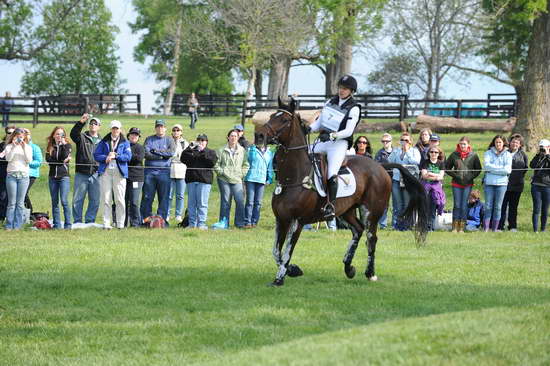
[346, 184]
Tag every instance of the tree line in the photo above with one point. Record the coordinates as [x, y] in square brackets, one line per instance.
[196, 45]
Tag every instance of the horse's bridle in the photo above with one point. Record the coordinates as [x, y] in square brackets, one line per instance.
[277, 133]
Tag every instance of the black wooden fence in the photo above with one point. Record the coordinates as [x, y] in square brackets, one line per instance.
[387, 106]
[38, 109]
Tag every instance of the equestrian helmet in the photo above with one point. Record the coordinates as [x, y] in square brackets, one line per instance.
[348, 81]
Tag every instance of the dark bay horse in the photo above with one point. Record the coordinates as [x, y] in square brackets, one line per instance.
[295, 205]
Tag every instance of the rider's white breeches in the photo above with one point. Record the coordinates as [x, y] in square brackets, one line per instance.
[336, 153]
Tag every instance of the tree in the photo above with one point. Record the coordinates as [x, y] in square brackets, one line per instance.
[437, 32]
[341, 25]
[250, 34]
[81, 59]
[23, 34]
[398, 74]
[164, 26]
[534, 109]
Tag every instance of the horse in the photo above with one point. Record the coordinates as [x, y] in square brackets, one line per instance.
[295, 204]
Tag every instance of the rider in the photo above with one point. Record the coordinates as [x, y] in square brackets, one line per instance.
[337, 122]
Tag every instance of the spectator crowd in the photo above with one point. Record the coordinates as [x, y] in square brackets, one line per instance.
[126, 177]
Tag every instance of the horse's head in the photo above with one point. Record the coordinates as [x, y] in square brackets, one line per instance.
[280, 127]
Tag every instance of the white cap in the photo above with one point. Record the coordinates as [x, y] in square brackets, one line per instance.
[116, 124]
[544, 142]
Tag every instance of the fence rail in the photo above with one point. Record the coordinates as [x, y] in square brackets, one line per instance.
[386, 106]
[42, 107]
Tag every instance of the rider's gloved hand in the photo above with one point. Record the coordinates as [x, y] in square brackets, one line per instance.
[307, 130]
[324, 136]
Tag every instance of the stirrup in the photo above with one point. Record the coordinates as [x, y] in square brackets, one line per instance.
[329, 211]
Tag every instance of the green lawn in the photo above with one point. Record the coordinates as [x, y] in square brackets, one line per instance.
[178, 296]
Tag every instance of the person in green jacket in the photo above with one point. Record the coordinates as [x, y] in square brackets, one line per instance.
[231, 168]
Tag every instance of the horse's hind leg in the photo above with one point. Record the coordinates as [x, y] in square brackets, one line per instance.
[291, 232]
[357, 231]
[371, 244]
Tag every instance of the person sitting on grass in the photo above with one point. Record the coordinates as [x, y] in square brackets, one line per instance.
[475, 211]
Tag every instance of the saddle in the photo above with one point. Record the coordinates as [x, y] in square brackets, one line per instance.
[320, 163]
[319, 177]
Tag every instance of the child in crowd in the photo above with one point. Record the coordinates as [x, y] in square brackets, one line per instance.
[475, 211]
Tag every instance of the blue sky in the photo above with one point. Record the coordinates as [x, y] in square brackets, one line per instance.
[303, 79]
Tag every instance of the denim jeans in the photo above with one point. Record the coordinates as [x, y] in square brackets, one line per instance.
[28, 202]
[159, 184]
[254, 196]
[59, 190]
[197, 203]
[84, 183]
[400, 201]
[5, 119]
[193, 121]
[133, 191]
[228, 190]
[177, 186]
[541, 201]
[460, 202]
[16, 188]
[494, 195]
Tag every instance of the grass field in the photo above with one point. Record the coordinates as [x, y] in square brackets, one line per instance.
[142, 297]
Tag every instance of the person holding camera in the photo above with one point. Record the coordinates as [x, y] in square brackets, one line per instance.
[113, 154]
[18, 154]
[177, 173]
[540, 185]
[86, 178]
[58, 156]
[3, 173]
[199, 160]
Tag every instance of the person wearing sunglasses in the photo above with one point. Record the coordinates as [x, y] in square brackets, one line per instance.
[361, 146]
[432, 171]
[177, 173]
[409, 157]
[3, 173]
[382, 157]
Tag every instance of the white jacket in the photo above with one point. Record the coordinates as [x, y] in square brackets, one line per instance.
[177, 168]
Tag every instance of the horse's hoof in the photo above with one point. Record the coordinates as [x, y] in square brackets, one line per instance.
[277, 283]
[373, 278]
[294, 271]
[350, 271]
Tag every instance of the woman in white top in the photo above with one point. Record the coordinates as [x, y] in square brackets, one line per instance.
[336, 124]
[18, 154]
[177, 172]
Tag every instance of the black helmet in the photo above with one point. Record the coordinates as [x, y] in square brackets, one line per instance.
[348, 81]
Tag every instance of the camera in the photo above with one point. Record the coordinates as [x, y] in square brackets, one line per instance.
[62, 135]
[19, 140]
[193, 144]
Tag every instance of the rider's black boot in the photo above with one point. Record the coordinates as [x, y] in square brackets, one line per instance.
[328, 210]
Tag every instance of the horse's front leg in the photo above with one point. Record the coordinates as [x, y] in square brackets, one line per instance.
[357, 231]
[291, 232]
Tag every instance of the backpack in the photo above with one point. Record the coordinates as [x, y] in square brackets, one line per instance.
[154, 222]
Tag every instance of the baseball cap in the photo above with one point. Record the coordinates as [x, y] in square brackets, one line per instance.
[178, 126]
[435, 137]
[238, 127]
[115, 124]
[544, 142]
[202, 136]
[160, 122]
[135, 131]
[94, 121]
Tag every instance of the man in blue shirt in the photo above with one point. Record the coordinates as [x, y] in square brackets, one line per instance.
[159, 149]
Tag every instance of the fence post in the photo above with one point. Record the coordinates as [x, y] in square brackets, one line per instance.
[35, 112]
[87, 104]
[406, 108]
[100, 103]
[139, 103]
[121, 103]
[458, 108]
[401, 108]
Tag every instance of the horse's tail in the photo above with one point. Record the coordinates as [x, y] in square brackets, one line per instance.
[417, 211]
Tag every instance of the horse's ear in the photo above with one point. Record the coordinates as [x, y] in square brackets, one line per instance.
[293, 104]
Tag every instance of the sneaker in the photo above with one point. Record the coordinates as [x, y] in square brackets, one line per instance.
[179, 219]
[107, 227]
[222, 224]
[514, 230]
[203, 227]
